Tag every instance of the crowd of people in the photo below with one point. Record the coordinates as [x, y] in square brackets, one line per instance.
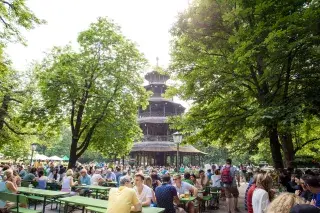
[288, 191]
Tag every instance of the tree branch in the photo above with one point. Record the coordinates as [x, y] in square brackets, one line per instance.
[9, 4]
[4, 22]
[13, 99]
[14, 131]
[304, 144]
[84, 145]
[84, 128]
[72, 117]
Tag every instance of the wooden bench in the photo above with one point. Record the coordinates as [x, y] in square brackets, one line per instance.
[18, 199]
[96, 209]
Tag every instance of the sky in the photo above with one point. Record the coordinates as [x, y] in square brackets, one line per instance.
[146, 22]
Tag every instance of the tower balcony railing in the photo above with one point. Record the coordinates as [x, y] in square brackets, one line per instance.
[155, 114]
[157, 138]
[156, 95]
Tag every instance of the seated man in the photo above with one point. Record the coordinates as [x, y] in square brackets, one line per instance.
[166, 195]
[183, 187]
[96, 177]
[31, 175]
[202, 182]
[123, 199]
[84, 179]
[110, 176]
[187, 178]
[312, 182]
[143, 192]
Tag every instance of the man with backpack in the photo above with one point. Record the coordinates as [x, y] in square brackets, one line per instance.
[229, 178]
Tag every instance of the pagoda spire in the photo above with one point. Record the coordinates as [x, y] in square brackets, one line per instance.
[157, 59]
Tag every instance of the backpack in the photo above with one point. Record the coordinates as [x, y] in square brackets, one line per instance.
[226, 177]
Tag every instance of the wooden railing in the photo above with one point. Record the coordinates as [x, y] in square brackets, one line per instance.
[155, 114]
[157, 138]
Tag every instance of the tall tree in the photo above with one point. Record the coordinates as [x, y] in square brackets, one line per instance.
[14, 16]
[98, 89]
[14, 94]
[246, 65]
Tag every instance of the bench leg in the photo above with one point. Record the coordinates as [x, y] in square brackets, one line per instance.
[44, 204]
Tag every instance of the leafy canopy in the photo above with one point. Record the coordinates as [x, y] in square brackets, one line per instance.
[97, 89]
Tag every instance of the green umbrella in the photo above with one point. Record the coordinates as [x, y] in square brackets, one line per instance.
[65, 158]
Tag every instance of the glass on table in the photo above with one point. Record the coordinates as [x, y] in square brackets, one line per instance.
[187, 194]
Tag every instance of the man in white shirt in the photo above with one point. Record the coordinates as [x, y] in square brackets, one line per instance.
[96, 177]
[183, 187]
[143, 192]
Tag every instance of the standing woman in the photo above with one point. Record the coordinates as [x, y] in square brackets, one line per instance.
[262, 195]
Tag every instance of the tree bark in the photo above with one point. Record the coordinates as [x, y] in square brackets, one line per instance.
[275, 148]
[4, 109]
[73, 154]
[288, 149]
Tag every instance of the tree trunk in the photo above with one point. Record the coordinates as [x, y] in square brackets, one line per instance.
[275, 148]
[288, 149]
[73, 154]
[4, 109]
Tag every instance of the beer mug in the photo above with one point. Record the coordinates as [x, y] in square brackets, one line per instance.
[187, 194]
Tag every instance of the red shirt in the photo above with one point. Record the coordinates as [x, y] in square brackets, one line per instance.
[249, 198]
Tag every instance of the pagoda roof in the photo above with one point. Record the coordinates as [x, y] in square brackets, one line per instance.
[149, 75]
[154, 72]
[163, 146]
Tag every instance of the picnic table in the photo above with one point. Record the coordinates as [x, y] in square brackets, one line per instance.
[185, 200]
[94, 188]
[91, 202]
[41, 192]
[109, 184]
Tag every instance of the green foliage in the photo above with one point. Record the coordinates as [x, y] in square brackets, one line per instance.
[61, 145]
[249, 67]
[14, 16]
[97, 89]
[15, 94]
[216, 155]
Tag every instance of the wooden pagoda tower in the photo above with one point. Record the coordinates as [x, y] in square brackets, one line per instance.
[157, 146]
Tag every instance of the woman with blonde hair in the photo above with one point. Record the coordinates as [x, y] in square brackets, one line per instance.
[262, 194]
[8, 186]
[284, 202]
[148, 182]
[67, 181]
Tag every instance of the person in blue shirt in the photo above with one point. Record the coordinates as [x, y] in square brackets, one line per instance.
[166, 194]
[84, 179]
[164, 171]
[316, 200]
[118, 174]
